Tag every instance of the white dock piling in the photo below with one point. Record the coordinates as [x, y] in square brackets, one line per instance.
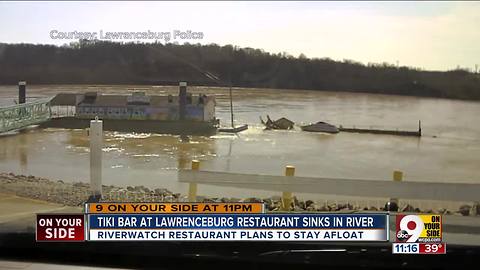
[96, 144]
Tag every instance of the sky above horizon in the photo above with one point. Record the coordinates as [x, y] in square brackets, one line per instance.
[428, 35]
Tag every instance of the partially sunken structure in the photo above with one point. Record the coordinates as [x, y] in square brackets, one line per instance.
[138, 112]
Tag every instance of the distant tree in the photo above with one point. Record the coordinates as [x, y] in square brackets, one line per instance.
[104, 62]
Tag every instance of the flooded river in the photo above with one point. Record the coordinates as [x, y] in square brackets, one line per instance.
[449, 151]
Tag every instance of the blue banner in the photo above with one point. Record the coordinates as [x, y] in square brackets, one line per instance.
[238, 221]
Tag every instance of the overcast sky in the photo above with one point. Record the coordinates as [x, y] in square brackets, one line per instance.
[431, 35]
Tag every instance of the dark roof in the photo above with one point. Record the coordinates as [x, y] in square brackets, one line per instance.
[285, 121]
[64, 99]
[110, 100]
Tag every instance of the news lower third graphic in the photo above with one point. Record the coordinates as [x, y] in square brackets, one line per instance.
[414, 234]
[418, 234]
[184, 208]
[265, 227]
[208, 222]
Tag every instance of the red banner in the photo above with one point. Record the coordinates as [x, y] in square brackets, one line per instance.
[60, 227]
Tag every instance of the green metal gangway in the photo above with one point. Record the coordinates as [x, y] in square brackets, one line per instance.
[20, 116]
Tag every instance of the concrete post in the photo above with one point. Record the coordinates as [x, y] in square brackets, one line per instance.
[96, 144]
[22, 92]
[287, 197]
[192, 187]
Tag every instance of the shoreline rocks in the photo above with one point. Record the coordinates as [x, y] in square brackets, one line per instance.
[77, 193]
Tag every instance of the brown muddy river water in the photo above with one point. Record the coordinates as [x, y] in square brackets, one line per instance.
[449, 151]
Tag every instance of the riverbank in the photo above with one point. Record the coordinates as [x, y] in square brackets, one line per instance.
[75, 194]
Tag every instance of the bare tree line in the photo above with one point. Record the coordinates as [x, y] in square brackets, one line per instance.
[100, 62]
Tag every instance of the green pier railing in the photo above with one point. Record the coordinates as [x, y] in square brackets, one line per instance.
[23, 115]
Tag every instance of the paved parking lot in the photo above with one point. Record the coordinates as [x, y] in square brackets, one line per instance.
[18, 214]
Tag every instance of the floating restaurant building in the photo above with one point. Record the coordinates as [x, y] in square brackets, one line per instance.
[138, 112]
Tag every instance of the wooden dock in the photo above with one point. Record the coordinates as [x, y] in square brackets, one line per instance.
[417, 133]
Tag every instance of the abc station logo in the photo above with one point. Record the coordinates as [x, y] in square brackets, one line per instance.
[402, 236]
